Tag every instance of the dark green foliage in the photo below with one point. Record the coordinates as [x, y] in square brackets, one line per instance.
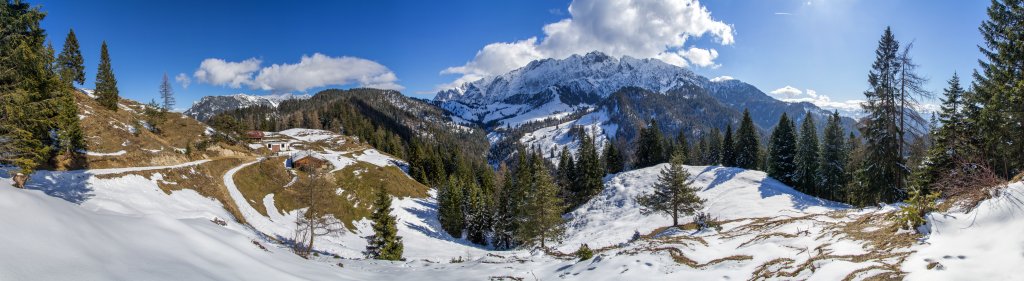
[34, 103]
[449, 207]
[728, 148]
[951, 140]
[673, 194]
[884, 171]
[782, 152]
[584, 252]
[806, 176]
[613, 159]
[154, 116]
[747, 146]
[70, 65]
[683, 147]
[649, 151]
[106, 85]
[918, 204]
[540, 216]
[714, 151]
[589, 172]
[995, 109]
[832, 172]
[385, 244]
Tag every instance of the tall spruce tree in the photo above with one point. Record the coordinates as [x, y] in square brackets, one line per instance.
[833, 159]
[714, 156]
[106, 85]
[885, 170]
[683, 146]
[612, 159]
[999, 87]
[649, 150]
[951, 139]
[590, 171]
[385, 244]
[542, 210]
[449, 207]
[476, 215]
[782, 153]
[747, 146]
[806, 177]
[166, 95]
[728, 148]
[673, 193]
[507, 201]
[70, 64]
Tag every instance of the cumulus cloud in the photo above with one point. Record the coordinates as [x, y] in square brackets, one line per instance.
[224, 73]
[787, 92]
[183, 79]
[314, 71]
[638, 28]
[722, 78]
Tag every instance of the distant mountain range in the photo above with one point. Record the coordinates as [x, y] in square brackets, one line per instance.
[208, 106]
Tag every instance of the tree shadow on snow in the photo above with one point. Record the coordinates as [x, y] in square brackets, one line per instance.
[426, 211]
[68, 185]
[721, 175]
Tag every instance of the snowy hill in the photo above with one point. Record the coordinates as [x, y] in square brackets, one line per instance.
[208, 106]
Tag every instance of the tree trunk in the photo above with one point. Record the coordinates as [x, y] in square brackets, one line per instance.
[675, 216]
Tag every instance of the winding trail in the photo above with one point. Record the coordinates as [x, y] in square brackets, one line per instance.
[252, 216]
[137, 169]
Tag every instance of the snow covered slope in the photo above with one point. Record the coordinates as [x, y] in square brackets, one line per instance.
[986, 243]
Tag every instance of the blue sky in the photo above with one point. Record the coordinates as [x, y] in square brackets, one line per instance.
[822, 46]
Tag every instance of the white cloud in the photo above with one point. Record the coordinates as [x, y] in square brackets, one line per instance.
[637, 28]
[782, 14]
[314, 71]
[722, 78]
[787, 92]
[183, 79]
[224, 73]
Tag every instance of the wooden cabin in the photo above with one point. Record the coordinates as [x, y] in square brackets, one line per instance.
[309, 163]
[254, 136]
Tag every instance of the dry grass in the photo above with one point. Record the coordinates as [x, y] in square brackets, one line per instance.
[357, 183]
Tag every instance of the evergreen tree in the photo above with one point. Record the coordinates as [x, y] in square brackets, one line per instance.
[476, 216]
[885, 170]
[747, 146]
[566, 171]
[1000, 88]
[673, 194]
[782, 153]
[70, 64]
[449, 207]
[951, 139]
[166, 95]
[683, 146]
[508, 200]
[542, 211]
[106, 85]
[589, 172]
[714, 148]
[612, 159]
[834, 156]
[806, 177]
[728, 148]
[385, 244]
[649, 146]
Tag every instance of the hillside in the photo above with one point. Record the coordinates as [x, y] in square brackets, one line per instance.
[206, 107]
[768, 231]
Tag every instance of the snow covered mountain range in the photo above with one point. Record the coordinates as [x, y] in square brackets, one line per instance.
[208, 106]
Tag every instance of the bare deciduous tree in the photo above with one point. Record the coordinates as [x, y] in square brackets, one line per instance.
[315, 192]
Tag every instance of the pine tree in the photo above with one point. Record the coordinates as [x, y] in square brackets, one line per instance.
[834, 155]
[747, 147]
[566, 171]
[166, 95]
[542, 211]
[589, 172]
[806, 177]
[70, 64]
[714, 156]
[612, 159]
[649, 150]
[106, 85]
[385, 244]
[782, 153]
[30, 90]
[885, 170]
[728, 148]
[476, 216]
[449, 207]
[683, 146]
[999, 87]
[507, 202]
[951, 139]
[673, 194]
